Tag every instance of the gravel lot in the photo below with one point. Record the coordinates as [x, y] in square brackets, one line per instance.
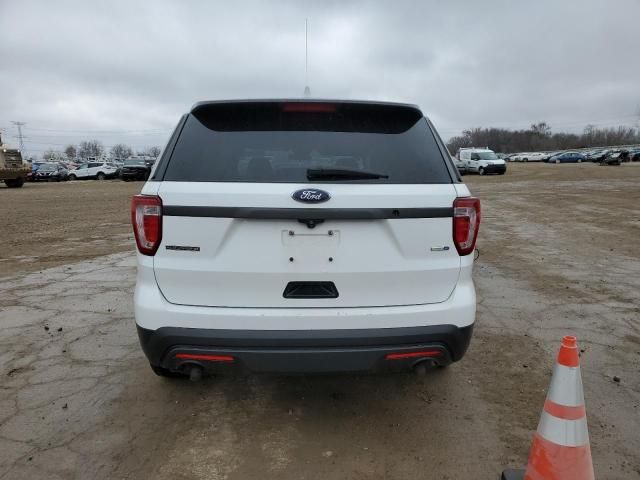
[558, 255]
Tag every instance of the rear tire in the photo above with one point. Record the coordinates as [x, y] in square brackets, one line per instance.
[72, 177]
[579, 160]
[101, 176]
[558, 161]
[481, 171]
[14, 183]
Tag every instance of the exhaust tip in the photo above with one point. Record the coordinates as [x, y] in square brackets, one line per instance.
[420, 368]
[195, 373]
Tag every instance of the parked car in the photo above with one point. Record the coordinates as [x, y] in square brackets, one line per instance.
[634, 155]
[568, 157]
[510, 157]
[482, 161]
[460, 165]
[615, 157]
[532, 157]
[50, 172]
[259, 249]
[548, 155]
[98, 170]
[34, 168]
[135, 169]
[597, 155]
[611, 159]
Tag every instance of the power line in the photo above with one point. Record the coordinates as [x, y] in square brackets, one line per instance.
[101, 132]
[94, 135]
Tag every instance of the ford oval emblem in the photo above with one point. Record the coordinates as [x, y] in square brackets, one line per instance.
[311, 195]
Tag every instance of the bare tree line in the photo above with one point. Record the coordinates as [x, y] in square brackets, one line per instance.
[95, 149]
[540, 137]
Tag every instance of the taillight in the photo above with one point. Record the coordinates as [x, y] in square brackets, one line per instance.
[146, 218]
[466, 221]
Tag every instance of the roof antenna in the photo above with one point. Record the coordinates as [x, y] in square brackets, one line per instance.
[307, 90]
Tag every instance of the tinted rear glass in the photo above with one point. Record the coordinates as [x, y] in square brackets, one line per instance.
[279, 142]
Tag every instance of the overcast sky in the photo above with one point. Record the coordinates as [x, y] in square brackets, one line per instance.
[124, 71]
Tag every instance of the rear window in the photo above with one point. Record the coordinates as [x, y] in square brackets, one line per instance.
[279, 142]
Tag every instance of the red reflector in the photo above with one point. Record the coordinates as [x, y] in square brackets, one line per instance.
[309, 107]
[151, 227]
[206, 358]
[424, 353]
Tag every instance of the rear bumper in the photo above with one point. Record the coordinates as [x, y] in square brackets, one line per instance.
[136, 174]
[304, 351]
[495, 168]
[13, 173]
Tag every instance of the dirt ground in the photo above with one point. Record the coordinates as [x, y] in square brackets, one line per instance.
[49, 224]
[558, 255]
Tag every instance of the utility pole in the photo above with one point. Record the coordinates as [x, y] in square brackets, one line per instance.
[20, 136]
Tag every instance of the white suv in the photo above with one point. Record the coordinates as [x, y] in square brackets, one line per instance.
[98, 169]
[304, 236]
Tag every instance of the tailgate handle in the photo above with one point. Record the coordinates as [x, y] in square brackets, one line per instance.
[310, 290]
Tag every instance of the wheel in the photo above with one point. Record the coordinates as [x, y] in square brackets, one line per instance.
[163, 372]
[558, 161]
[525, 159]
[481, 171]
[579, 160]
[14, 183]
[72, 177]
[101, 176]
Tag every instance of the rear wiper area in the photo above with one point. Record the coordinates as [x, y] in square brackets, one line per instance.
[341, 174]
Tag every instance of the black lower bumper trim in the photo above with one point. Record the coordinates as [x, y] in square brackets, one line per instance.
[305, 350]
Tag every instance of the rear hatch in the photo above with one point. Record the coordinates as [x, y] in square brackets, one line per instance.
[306, 204]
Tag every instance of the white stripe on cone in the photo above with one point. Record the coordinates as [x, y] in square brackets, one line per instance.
[568, 433]
[566, 386]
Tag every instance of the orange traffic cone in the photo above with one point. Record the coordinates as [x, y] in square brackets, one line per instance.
[560, 449]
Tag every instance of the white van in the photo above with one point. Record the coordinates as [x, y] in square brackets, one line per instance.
[304, 236]
[482, 161]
